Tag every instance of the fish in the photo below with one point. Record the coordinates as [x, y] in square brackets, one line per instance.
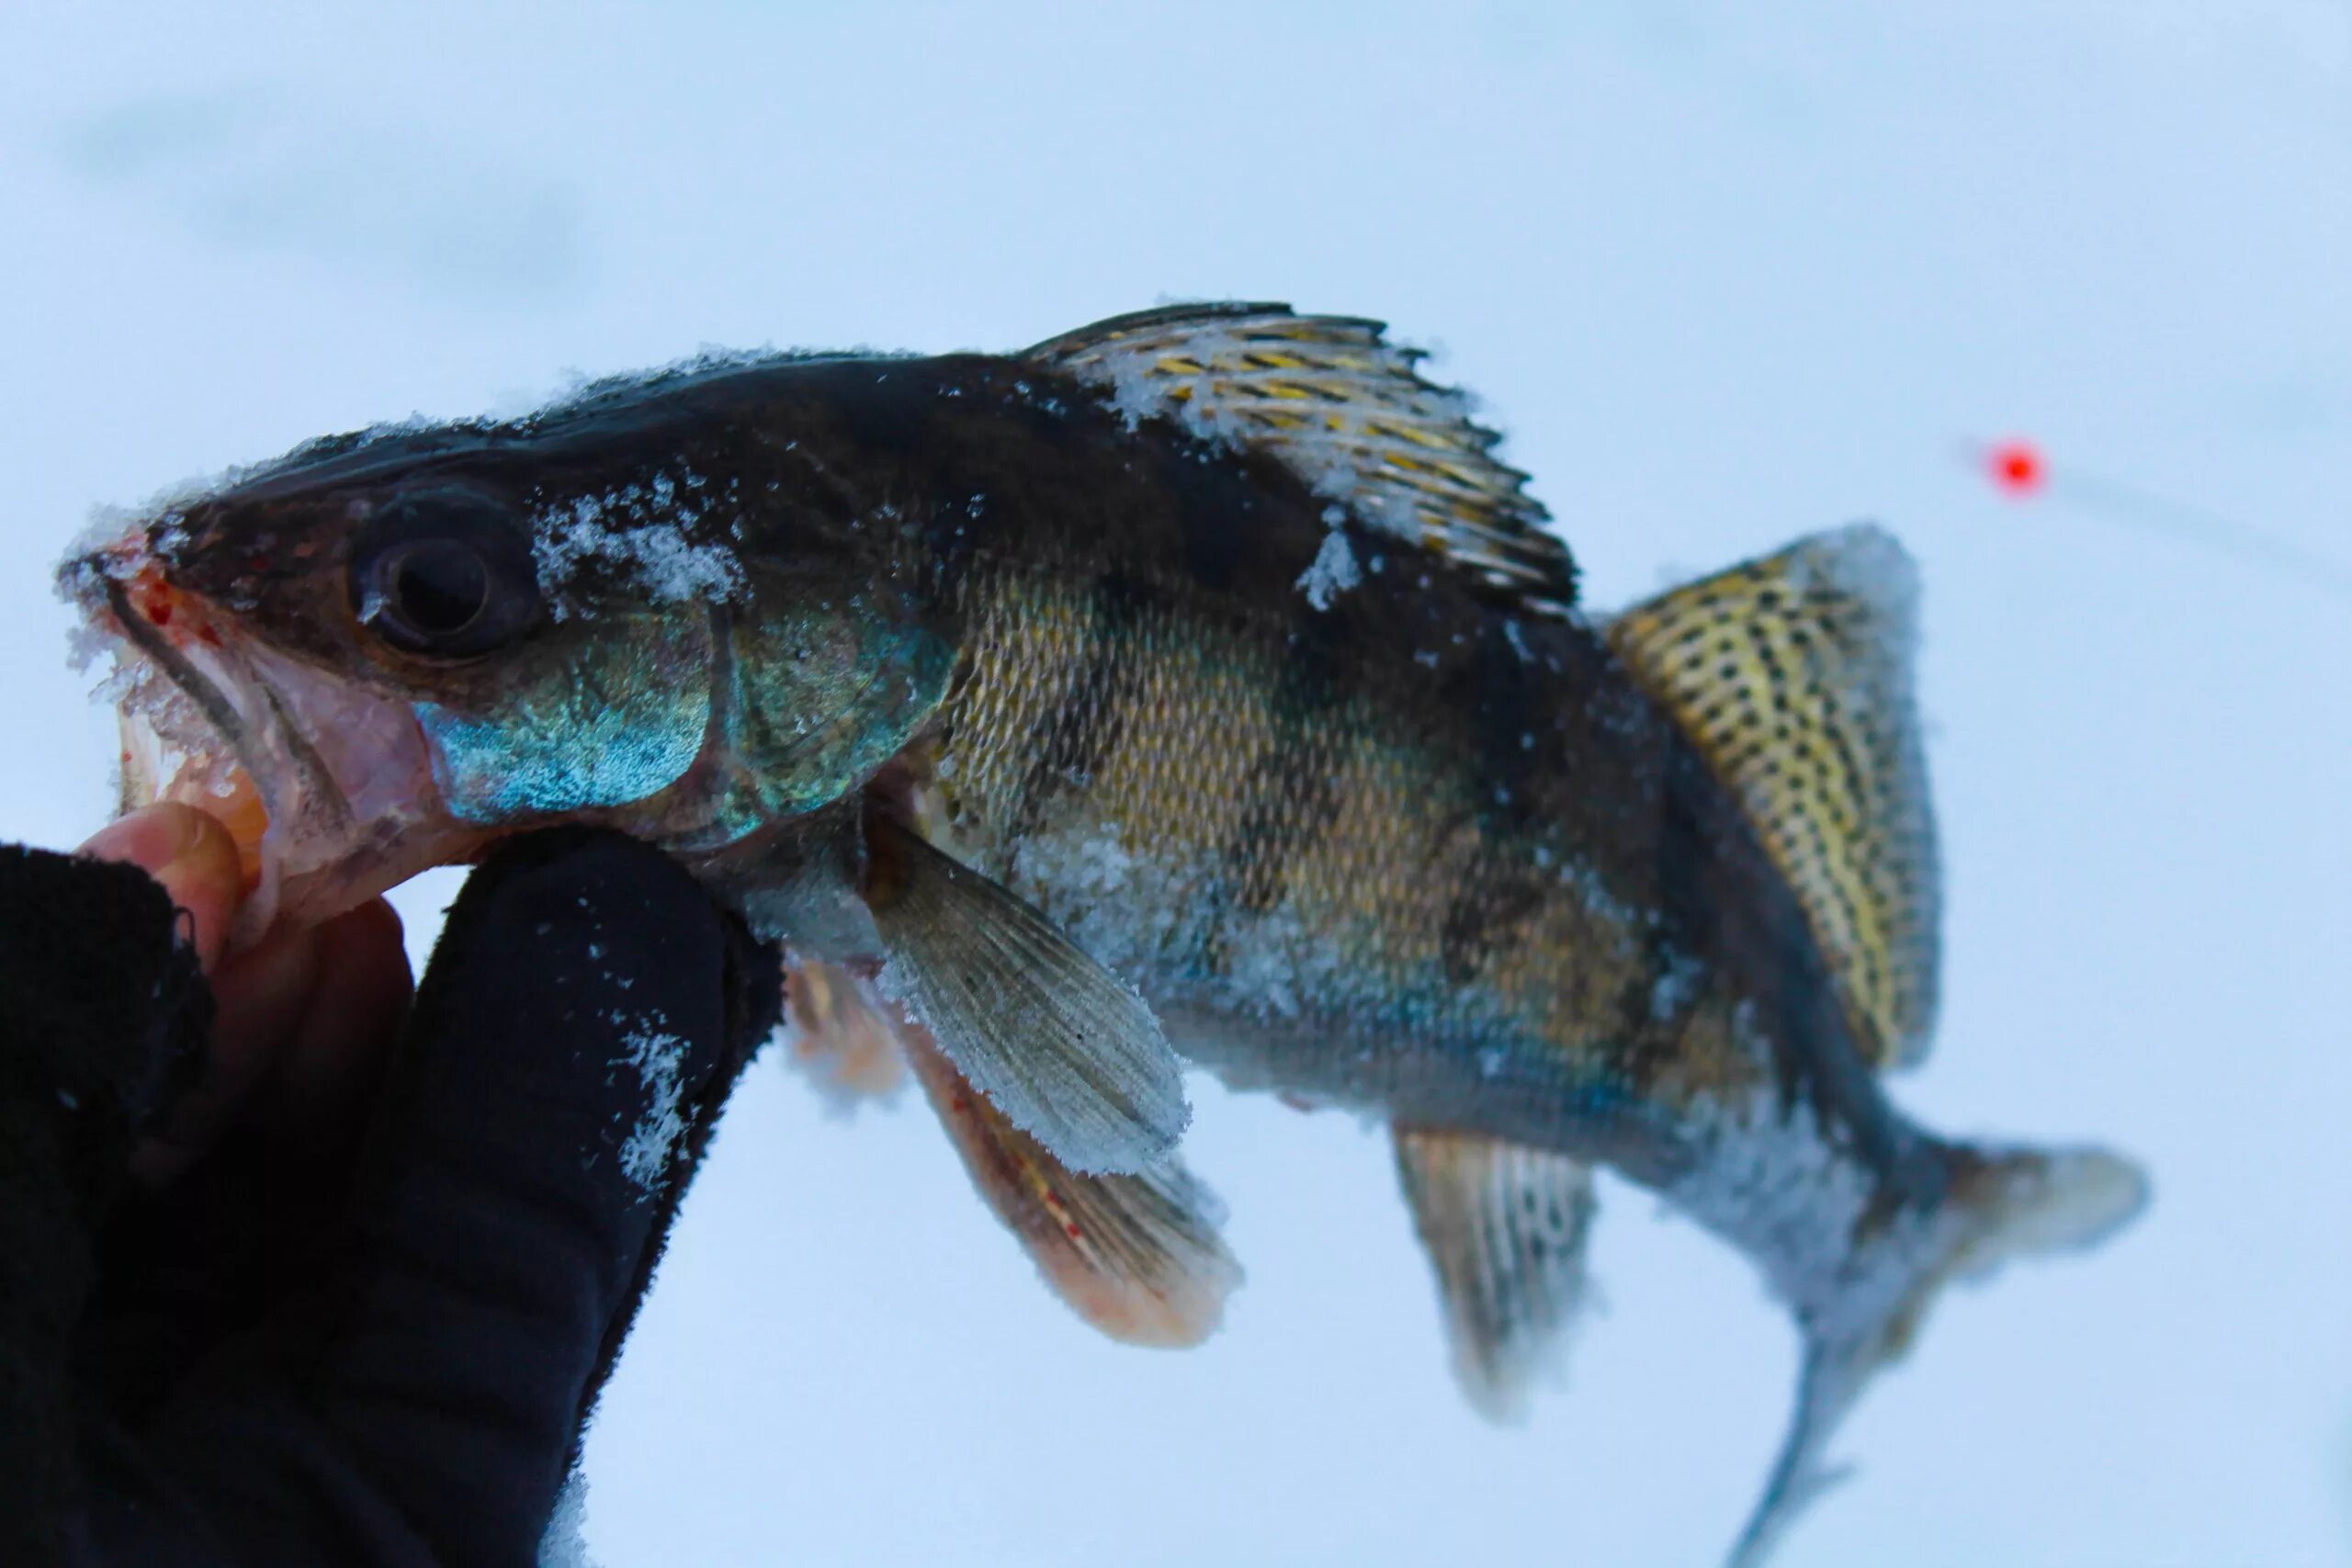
[1194, 689]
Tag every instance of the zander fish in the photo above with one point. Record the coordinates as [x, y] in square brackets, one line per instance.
[1194, 683]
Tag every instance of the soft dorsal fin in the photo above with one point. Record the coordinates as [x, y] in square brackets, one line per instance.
[1792, 674]
[1505, 1226]
[1346, 411]
[1138, 1256]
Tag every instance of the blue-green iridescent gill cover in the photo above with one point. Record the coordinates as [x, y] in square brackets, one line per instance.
[619, 717]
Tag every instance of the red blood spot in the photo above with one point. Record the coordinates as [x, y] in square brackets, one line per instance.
[207, 637]
[2017, 467]
[1072, 1228]
[160, 612]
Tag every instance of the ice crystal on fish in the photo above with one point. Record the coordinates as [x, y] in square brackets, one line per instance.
[1677, 985]
[1333, 572]
[1864, 564]
[642, 531]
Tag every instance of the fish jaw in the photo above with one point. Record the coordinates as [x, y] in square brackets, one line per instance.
[326, 788]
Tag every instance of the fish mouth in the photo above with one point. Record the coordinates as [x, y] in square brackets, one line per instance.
[326, 788]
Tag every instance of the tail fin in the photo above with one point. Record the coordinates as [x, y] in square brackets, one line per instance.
[2003, 1203]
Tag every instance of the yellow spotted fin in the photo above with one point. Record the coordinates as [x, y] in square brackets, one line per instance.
[1505, 1226]
[1137, 1256]
[1792, 676]
[1347, 412]
[1065, 1049]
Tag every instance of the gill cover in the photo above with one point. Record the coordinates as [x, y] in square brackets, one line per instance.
[525, 715]
[585, 721]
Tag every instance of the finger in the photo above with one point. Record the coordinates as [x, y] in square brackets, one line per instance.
[328, 1071]
[259, 996]
[194, 858]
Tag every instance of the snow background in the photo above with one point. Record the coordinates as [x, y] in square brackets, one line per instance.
[1726, 274]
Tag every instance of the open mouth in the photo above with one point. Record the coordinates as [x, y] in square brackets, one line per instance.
[326, 788]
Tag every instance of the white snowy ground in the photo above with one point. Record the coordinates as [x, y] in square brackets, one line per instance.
[1725, 280]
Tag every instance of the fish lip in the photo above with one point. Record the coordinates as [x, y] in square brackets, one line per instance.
[148, 638]
[230, 725]
[315, 780]
[319, 850]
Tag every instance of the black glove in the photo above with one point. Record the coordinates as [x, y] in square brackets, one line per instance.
[391, 1369]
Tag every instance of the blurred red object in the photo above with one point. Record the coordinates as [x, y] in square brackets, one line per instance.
[2017, 466]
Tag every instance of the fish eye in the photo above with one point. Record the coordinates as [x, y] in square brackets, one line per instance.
[444, 574]
[438, 586]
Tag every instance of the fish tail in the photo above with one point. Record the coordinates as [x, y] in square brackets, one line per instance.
[2002, 1203]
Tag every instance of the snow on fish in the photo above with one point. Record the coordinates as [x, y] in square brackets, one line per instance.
[1196, 686]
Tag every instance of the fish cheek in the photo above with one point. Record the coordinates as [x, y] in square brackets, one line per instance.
[604, 716]
[824, 699]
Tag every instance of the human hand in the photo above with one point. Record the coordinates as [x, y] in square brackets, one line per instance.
[302, 1021]
[374, 1268]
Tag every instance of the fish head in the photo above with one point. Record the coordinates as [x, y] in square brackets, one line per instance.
[378, 655]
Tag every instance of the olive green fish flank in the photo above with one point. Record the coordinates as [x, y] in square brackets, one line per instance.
[1092, 715]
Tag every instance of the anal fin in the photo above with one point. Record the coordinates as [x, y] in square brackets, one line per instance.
[1505, 1226]
[1138, 1256]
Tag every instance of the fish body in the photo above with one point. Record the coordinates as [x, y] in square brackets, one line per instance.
[1199, 673]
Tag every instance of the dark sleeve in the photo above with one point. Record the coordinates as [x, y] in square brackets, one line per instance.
[419, 1400]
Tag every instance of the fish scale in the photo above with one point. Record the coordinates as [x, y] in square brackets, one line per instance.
[1353, 927]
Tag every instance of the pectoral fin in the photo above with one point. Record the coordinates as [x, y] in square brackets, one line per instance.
[1137, 1256]
[839, 1037]
[1505, 1226]
[1064, 1048]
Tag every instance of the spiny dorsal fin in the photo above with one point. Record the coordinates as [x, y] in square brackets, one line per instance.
[1346, 411]
[1792, 674]
[1137, 1256]
[1505, 1226]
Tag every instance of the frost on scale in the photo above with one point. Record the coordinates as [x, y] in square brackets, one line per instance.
[1677, 985]
[1129, 911]
[642, 531]
[1772, 1176]
[1334, 570]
